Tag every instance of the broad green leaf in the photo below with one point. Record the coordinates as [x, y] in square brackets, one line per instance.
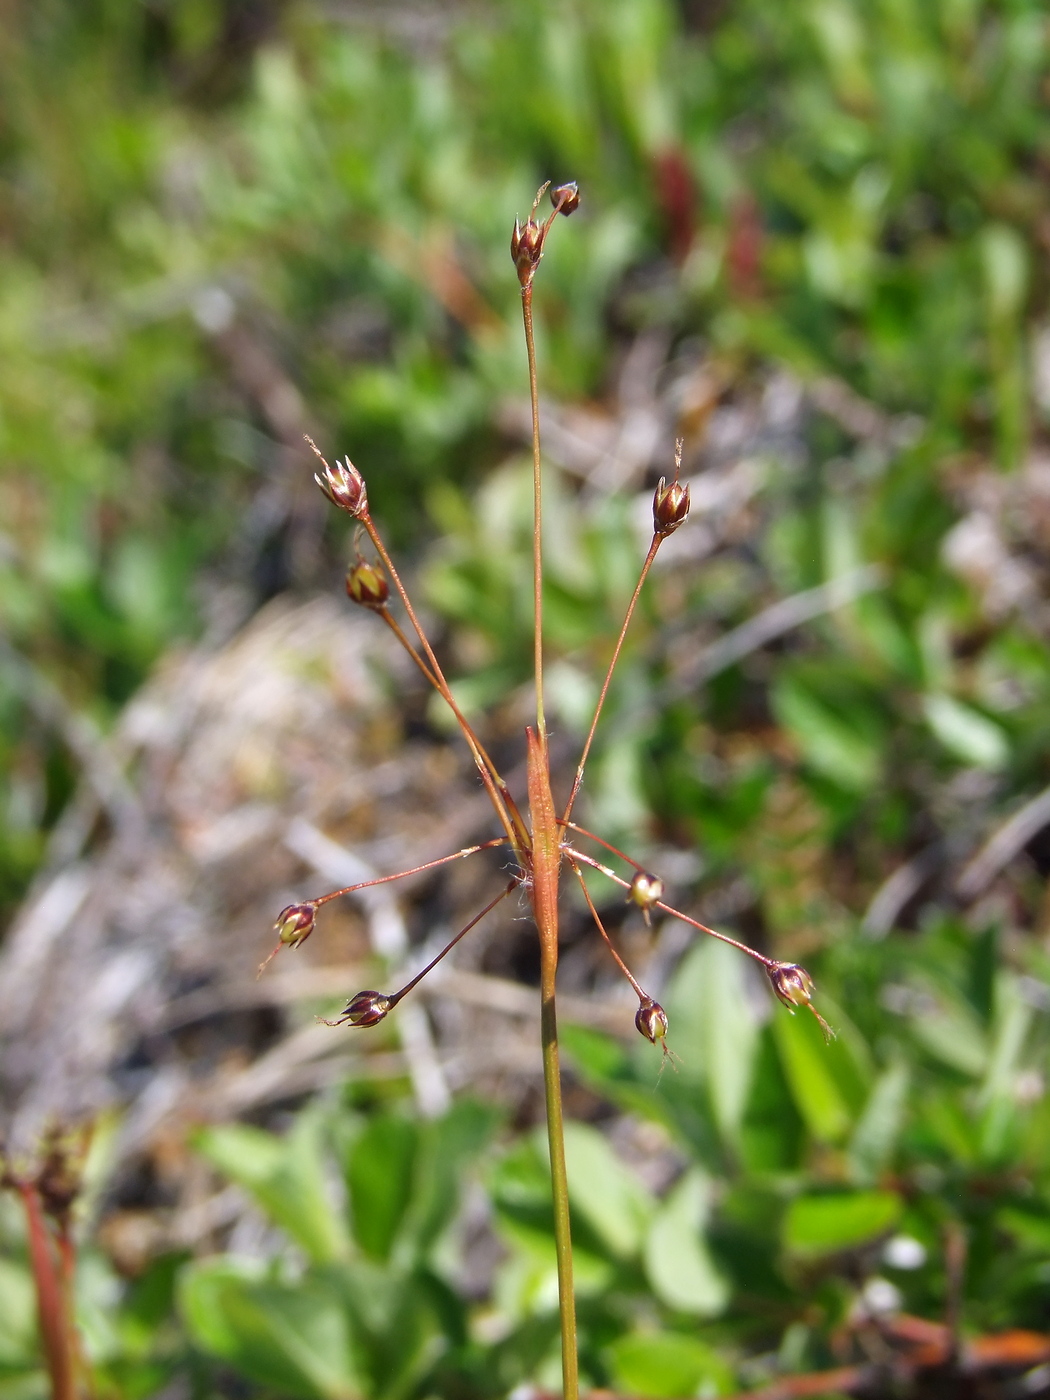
[393, 1324]
[606, 1193]
[847, 1054]
[290, 1337]
[952, 1032]
[594, 1054]
[1031, 1227]
[1012, 1023]
[875, 1136]
[25, 1385]
[726, 1028]
[667, 1364]
[829, 743]
[827, 1224]
[1013, 1020]
[17, 1316]
[527, 1280]
[379, 1179]
[1004, 262]
[806, 1062]
[678, 1265]
[286, 1176]
[965, 732]
[714, 1028]
[447, 1147]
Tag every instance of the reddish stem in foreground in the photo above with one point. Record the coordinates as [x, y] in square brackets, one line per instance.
[53, 1296]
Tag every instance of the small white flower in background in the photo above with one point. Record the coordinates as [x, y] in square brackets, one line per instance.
[904, 1252]
[881, 1297]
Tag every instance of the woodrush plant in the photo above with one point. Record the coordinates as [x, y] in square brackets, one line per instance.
[539, 839]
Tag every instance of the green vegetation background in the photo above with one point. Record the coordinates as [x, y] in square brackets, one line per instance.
[848, 192]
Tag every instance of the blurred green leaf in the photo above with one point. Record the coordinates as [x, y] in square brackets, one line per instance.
[379, 1176]
[290, 1335]
[18, 1332]
[951, 1032]
[826, 1224]
[604, 1192]
[968, 734]
[286, 1176]
[829, 742]
[805, 1058]
[878, 1129]
[678, 1265]
[668, 1364]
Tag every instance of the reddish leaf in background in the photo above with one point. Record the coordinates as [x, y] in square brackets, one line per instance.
[677, 194]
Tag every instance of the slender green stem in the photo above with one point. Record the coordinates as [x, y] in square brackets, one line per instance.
[537, 529]
[545, 865]
[559, 1176]
[609, 674]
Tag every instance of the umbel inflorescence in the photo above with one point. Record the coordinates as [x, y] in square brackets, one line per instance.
[541, 843]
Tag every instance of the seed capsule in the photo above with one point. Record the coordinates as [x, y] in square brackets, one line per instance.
[670, 506]
[651, 1020]
[366, 584]
[364, 1009]
[295, 924]
[794, 986]
[566, 198]
[526, 248]
[646, 890]
[344, 486]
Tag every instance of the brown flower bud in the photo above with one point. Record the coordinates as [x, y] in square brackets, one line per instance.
[364, 1009]
[344, 486]
[794, 986]
[366, 584]
[646, 890]
[566, 198]
[526, 248]
[670, 506]
[295, 924]
[651, 1020]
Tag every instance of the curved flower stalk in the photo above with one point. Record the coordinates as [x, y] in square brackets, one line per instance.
[539, 846]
